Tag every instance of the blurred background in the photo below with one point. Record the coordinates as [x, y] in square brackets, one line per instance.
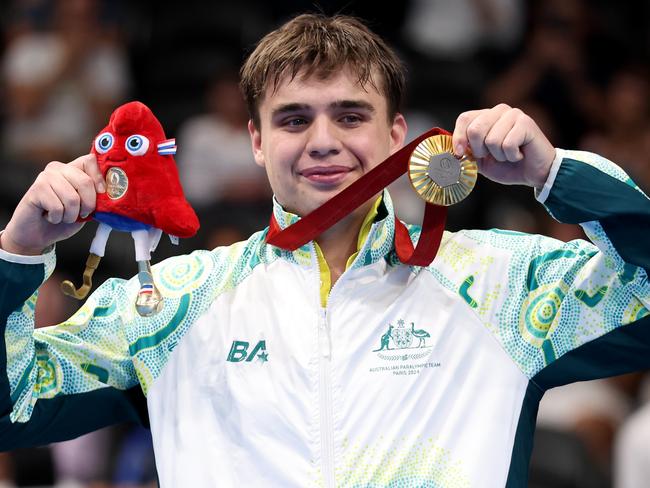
[579, 68]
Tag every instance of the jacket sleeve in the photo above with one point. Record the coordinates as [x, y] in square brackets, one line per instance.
[60, 382]
[583, 307]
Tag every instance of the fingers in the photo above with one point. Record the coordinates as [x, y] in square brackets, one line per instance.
[459, 138]
[505, 134]
[64, 192]
[519, 136]
[479, 128]
[495, 140]
[47, 199]
[88, 163]
[497, 132]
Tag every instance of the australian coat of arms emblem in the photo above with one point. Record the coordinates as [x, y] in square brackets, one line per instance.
[403, 342]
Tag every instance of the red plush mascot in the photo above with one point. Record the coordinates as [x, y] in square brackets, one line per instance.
[143, 196]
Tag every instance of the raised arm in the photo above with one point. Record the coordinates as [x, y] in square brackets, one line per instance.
[571, 311]
[59, 382]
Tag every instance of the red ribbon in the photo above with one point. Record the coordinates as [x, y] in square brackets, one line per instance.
[337, 207]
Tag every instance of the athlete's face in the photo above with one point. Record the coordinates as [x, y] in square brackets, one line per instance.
[318, 136]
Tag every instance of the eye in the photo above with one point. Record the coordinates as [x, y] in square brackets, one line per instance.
[103, 142]
[351, 119]
[295, 122]
[137, 145]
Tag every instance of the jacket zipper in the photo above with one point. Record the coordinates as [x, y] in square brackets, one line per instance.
[325, 390]
[326, 407]
[325, 382]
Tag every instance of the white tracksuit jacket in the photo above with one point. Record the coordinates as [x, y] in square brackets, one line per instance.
[408, 377]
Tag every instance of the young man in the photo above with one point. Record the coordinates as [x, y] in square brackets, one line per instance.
[335, 364]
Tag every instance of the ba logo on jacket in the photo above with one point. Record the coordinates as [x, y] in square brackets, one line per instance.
[239, 352]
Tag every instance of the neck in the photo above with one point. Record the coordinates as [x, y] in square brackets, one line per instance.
[339, 242]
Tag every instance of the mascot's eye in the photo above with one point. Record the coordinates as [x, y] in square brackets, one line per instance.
[137, 145]
[103, 142]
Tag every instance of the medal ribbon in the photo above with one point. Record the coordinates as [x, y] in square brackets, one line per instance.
[337, 207]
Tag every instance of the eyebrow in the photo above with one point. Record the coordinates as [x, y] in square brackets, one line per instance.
[358, 104]
[337, 104]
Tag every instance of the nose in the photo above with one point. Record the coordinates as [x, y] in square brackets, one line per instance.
[323, 138]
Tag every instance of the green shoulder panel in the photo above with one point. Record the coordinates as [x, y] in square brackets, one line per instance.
[591, 191]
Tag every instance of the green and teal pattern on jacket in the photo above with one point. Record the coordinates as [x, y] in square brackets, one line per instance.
[405, 463]
[190, 284]
[558, 296]
[106, 343]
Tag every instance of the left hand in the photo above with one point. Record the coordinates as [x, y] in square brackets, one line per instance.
[508, 145]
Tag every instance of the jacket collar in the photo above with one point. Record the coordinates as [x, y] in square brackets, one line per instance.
[377, 245]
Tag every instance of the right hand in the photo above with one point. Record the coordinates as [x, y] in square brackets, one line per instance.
[48, 212]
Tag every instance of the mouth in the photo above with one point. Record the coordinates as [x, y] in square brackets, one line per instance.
[113, 159]
[325, 175]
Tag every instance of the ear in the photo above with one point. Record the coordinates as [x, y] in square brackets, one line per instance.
[397, 132]
[256, 142]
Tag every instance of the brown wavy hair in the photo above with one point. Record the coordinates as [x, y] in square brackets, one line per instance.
[316, 44]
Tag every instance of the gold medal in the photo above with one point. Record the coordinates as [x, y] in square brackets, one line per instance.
[437, 175]
[116, 183]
